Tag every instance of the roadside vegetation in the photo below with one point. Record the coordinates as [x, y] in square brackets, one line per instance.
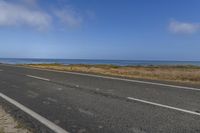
[186, 74]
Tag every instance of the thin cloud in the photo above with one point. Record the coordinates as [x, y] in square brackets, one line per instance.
[183, 27]
[17, 15]
[29, 2]
[69, 16]
[90, 14]
[30, 13]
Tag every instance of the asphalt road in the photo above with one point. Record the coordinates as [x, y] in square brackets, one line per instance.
[86, 103]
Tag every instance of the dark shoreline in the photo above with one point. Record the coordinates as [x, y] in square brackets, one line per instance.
[97, 62]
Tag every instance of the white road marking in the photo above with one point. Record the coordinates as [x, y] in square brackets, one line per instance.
[113, 78]
[131, 80]
[36, 116]
[1, 70]
[121, 79]
[164, 106]
[38, 77]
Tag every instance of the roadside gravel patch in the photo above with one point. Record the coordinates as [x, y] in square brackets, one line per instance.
[9, 125]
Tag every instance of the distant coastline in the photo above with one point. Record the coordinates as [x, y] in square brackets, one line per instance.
[97, 62]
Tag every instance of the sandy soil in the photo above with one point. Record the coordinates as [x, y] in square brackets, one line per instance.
[9, 125]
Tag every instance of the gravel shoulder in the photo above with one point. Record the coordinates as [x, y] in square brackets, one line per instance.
[9, 125]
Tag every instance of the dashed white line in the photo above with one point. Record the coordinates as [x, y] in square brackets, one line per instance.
[36, 116]
[164, 106]
[38, 77]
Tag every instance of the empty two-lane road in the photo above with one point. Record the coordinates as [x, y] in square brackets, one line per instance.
[87, 103]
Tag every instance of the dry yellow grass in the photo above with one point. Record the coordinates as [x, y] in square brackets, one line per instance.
[188, 74]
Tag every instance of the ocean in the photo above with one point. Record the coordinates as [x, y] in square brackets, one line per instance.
[91, 61]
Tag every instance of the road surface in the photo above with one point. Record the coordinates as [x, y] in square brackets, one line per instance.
[79, 103]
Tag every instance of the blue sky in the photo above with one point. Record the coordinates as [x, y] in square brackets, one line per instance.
[100, 29]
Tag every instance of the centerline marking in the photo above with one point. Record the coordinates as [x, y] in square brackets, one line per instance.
[38, 77]
[164, 106]
[36, 116]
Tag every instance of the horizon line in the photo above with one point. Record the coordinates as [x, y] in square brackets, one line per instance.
[99, 59]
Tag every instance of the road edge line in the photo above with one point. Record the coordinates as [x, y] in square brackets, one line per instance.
[120, 79]
[33, 114]
[36, 77]
[109, 77]
[163, 106]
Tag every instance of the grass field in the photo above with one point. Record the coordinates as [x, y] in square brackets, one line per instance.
[186, 74]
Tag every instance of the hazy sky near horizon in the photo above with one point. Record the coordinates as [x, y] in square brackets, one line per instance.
[100, 29]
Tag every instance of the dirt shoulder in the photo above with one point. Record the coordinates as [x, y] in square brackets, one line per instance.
[182, 74]
[9, 125]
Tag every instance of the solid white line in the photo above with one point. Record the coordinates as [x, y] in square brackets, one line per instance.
[36, 116]
[115, 78]
[121, 79]
[164, 106]
[38, 77]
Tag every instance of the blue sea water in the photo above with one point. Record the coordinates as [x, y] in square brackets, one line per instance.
[86, 61]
